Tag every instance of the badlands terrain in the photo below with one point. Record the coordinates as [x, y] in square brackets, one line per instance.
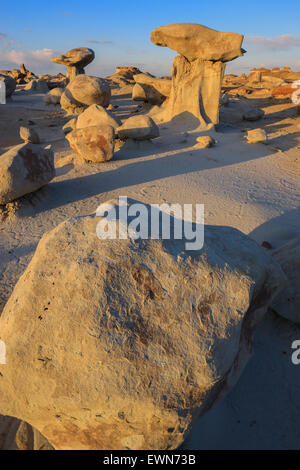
[246, 180]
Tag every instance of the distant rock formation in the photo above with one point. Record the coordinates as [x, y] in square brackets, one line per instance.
[75, 60]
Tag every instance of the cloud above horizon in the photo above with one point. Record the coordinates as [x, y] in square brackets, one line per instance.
[282, 42]
[38, 58]
[3, 36]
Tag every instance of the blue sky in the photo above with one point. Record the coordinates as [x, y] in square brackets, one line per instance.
[119, 32]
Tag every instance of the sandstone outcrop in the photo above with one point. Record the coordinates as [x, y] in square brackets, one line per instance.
[122, 344]
[75, 60]
[198, 71]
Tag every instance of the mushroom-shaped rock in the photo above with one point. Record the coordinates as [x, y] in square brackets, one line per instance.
[75, 60]
[122, 343]
[195, 41]
[198, 71]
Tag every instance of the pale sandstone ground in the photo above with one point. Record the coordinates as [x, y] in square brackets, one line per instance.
[255, 188]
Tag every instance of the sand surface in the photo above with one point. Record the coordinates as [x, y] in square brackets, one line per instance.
[255, 188]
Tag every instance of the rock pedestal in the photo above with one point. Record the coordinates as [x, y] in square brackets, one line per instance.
[75, 60]
[198, 71]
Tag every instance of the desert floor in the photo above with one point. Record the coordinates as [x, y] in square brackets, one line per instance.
[255, 188]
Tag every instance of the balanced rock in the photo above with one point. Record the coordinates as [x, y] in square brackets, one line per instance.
[84, 91]
[138, 128]
[96, 115]
[287, 303]
[195, 41]
[24, 169]
[123, 344]
[75, 60]
[28, 134]
[198, 71]
[94, 144]
[10, 84]
[257, 136]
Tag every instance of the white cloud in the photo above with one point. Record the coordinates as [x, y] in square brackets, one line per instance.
[3, 35]
[282, 42]
[36, 60]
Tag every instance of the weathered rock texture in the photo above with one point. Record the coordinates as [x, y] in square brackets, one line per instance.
[121, 344]
[28, 438]
[75, 60]
[96, 115]
[198, 72]
[84, 91]
[287, 303]
[24, 169]
[94, 144]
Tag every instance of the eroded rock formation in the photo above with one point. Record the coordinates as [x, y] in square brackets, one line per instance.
[198, 71]
[75, 60]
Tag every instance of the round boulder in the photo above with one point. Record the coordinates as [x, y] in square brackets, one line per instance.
[83, 91]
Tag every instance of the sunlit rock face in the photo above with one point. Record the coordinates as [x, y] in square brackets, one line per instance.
[198, 71]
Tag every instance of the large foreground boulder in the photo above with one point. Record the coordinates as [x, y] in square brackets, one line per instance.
[287, 303]
[24, 169]
[83, 91]
[122, 344]
[94, 144]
